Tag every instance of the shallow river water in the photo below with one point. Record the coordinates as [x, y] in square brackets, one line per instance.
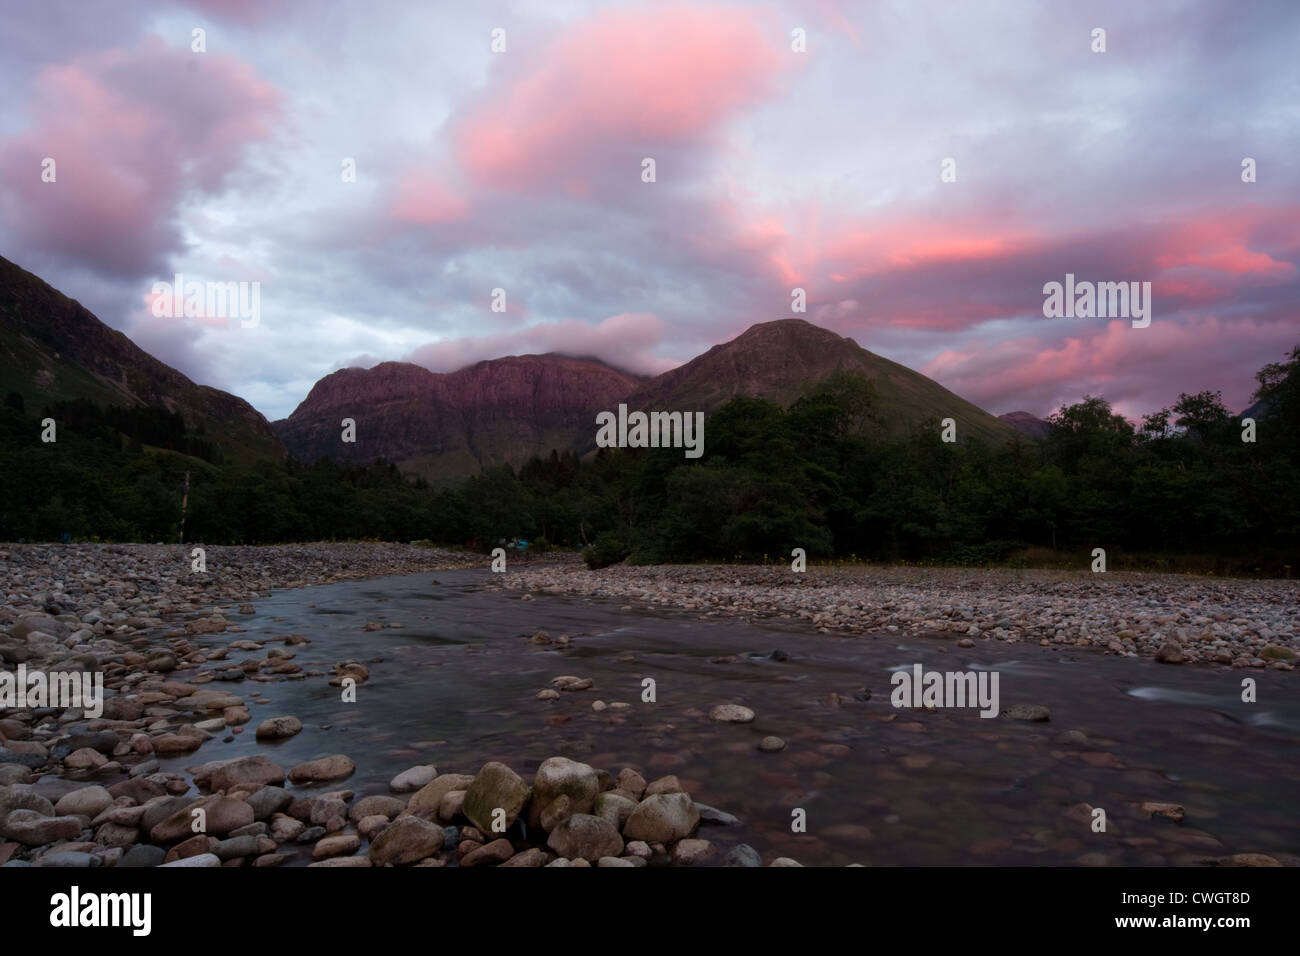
[455, 686]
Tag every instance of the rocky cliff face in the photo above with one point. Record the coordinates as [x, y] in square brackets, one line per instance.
[446, 424]
[52, 348]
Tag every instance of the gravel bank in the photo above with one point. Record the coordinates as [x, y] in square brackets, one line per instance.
[1174, 618]
[83, 785]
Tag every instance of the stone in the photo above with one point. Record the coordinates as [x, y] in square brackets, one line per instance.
[34, 829]
[495, 787]
[104, 742]
[1170, 810]
[614, 808]
[1032, 712]
[22, 796]
[1170, 653]
[710, 814]
[214, 624]
[771, 745]
[344, 843]
[70, 860]
[268, 801]
[731, 713]
[11, 773]
[143, 855]
[285, 828]
[428, 799]
[452, 805]
[202, 860]
[662, 818]
[84, 759]
[336, 767]
[556, 812]
[560, 776]
[498, 851]
[668, 784]
[171, 744]
[413, 779]
[279, 728]
[220, 816]
[117, 834]
[160, 808]
[369, 806]
[530, 857]
[585, 836]
[344, 861]
[242, 772]
[406, 840]
[325, 809]
[632, 782]
[742, 855]
[237, 848]
[84, 802]
[689, 852]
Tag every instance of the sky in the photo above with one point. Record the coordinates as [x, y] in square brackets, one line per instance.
[795, 145]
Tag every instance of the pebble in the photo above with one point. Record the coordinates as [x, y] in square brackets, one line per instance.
[731, 713]
[1011, 605]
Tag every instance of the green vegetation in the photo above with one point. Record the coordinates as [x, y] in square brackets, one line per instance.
[1182, 491]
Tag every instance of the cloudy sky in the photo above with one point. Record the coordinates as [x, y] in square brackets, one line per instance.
[774, 169]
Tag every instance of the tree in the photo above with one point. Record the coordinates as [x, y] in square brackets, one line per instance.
[1202, 414]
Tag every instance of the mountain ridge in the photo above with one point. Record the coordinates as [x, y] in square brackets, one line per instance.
[52, 348]
[448, 424]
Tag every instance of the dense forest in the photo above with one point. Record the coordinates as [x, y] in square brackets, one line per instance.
[821, 475]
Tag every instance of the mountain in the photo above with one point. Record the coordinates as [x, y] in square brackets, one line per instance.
[443, 425]
[1261, 409]
[1027, 423]
[53, 349]
[779, 360]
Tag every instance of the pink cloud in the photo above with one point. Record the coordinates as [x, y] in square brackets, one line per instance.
[926, 270]
[1220, 244]
[421, 199]
[1139, 370]
[131, 133]
[622, 79]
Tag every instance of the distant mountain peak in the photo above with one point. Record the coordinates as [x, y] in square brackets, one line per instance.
[1027, 423]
